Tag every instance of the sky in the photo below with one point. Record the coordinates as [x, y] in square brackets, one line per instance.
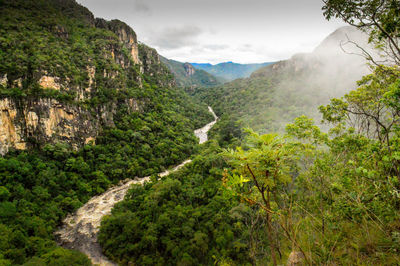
[215, 31]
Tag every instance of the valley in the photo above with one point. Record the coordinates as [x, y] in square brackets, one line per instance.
[80, 230]
[112, 154]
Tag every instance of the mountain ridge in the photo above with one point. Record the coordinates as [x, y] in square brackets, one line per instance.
[83, 106]
[229, 71]
[187, 76]
[275, 94]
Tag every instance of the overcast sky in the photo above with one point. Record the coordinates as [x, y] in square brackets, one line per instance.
[214, 31]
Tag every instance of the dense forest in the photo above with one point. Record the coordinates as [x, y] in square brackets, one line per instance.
[304, 196]
[276, 94]
[229, 71]
[308, 195]
[188, 77]
[41, 186]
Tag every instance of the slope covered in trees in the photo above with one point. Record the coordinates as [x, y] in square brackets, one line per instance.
[142, 123]
[229, 71]
[300, 197]
[320, 198]
[274, 95]
[264, 199]
[188, 77]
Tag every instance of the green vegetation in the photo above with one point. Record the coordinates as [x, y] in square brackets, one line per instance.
[229, 71]
[200, 78]
[274, 95]
[183, 219]
[38, 38]
[323, 198]
[39, 187]
[326, 198]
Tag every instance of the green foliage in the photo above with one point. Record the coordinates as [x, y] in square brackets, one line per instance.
[337, 194]
[334, 197]
[60, 257]
[261, 175]
[229, 71]
[57, 39]
[381, 19]
[275, 95]
[38, 188]
[200, 78]
[182, 219]
[228, 131]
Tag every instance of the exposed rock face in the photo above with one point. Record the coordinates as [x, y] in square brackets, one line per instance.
[9, 132]
[125, 34]
[45, 120]
[31, 121]
[152, 66]
[49, 82]
[3, 80]
[56, 112]
[189, 69]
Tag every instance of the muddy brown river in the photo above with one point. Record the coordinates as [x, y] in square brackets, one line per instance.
[79, 230]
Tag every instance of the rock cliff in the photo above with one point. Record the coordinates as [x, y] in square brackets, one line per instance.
[70, 76]
[35, 121]
[125, 35]
[189, 69]
[187, 76]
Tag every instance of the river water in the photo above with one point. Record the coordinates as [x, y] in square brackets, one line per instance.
[201, 133]
[79, 230]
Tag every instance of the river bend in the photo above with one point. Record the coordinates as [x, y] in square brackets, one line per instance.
[79, 230]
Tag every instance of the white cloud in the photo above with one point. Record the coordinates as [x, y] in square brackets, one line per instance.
[172, 38]
[242, 31]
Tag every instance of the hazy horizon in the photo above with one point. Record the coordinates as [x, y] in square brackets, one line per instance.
[252, 31]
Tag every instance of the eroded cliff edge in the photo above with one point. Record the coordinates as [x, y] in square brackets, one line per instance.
[71, 75]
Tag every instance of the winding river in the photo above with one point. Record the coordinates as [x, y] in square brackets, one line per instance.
[79, 230]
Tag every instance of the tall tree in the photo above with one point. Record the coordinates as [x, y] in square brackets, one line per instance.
[379, 18]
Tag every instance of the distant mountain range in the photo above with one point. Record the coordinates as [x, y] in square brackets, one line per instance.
[229, 71]
[186, 76]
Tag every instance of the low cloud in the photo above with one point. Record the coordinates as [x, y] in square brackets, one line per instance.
[215, 47]
[246, 48]
[176, 37]
[141, 7]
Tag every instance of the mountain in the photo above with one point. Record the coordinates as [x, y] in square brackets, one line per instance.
[229, 71]
[69, 76]
[83, 106]
[274, 95]
[187, 76]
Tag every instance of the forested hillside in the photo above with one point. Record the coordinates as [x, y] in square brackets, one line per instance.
[302, 197]
[83, 106]
[274, 95]
[229, 71]
[188, 77]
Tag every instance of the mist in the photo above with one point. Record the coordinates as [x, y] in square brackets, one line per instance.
[275, 95]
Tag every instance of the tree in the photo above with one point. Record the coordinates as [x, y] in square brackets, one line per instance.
[372, 109]
[379, 18]
[261, 175]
